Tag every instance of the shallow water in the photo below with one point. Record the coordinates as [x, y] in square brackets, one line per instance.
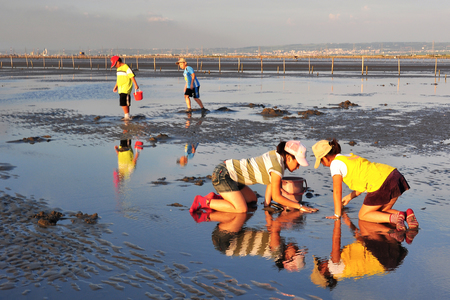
[76, 171]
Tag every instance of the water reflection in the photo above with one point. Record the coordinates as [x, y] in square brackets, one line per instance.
[377, 250]
[189, 152]
[231, 238]
[127, 160]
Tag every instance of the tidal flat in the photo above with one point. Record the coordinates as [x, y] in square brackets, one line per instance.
[57, 137]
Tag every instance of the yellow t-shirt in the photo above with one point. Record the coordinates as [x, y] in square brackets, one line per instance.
[126, 164]
[363, 175]
[124, 82]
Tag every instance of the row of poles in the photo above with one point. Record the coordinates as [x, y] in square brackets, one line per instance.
[240, 65]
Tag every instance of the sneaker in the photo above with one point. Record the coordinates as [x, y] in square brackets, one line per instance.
[199, 203]
[411, 219]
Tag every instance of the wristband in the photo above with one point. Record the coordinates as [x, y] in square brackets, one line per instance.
[337, 216]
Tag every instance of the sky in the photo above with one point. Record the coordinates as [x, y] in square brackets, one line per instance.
[195, 24]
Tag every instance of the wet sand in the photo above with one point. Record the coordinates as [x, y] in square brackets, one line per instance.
[128, 251]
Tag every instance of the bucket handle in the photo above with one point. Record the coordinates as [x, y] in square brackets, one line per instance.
[138, 90]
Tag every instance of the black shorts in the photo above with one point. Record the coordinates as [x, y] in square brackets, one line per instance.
[125, 99]
[394, 185]
[195, 93]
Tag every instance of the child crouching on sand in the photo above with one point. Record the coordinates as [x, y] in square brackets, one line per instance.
[383, 184]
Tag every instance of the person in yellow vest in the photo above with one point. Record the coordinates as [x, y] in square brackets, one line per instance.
[383, 184]
[124, 84]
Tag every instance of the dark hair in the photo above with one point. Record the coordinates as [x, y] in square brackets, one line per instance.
[335, 147]
[119, 60]
[282, 152]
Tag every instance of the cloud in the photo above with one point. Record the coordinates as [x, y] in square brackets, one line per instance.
[334, 17]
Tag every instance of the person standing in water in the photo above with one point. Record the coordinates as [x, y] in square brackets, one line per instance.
[124, 84]
[192, 86]
[383, 184]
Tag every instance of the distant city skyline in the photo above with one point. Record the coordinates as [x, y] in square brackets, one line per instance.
[147, 24]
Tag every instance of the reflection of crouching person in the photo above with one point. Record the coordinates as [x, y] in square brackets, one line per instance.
[126, 159]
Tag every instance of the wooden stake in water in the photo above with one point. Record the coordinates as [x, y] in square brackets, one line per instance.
[201, 66]
[137, 63]
[367, 68]
[261, 66]
[332, 65]
[219, 66]
[284, 65]
[11, 62]
[309, 65]
[90, 62]
[239, 64]
[362, 65]
[399, 66]
[435, 68]
[312, 70]
[154, 63]
[61, 63]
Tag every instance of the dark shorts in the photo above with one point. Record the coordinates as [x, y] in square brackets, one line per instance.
[195, 93]
[222, 181]
[394, 185]
[125, 100]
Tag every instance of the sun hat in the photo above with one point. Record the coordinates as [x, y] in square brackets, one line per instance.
[298, 150]
[320, 149]
[114, 60]
[181, 60]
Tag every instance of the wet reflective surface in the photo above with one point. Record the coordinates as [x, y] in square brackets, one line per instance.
[146, 244]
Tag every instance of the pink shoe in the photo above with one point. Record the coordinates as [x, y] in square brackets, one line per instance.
[199, 203]
[411, 219]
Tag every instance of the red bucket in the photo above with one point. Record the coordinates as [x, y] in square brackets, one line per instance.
[138, 95]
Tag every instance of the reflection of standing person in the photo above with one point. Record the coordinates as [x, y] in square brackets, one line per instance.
[126, 161]
[124, 84]
[383, 183]
[376, 251]
[189, 152]
[192, 86]
[231, 239]
[232, 177]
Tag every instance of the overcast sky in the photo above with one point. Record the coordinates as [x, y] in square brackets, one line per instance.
[145, 24]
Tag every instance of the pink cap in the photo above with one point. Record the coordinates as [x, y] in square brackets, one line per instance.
[298, 150]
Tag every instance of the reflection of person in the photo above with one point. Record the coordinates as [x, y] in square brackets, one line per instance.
[231, 239]
[126, 161]
[232, 177]
[189, 152]
[376, 251]
[192, 86]
[124, 84]
[383, 183]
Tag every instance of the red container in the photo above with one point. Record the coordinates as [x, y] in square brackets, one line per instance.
[139, 145]
[292, 188]
[138, 95]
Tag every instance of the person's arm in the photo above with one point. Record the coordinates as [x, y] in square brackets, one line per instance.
[336, 246]
[349, 197]
[268, 195]
[136, 87]
[337, 197]
[275, 182]
[192, 80]
[115, 88]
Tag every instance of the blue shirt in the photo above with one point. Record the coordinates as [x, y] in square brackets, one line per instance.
[188, 71]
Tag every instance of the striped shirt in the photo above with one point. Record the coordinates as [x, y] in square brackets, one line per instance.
[257, 169]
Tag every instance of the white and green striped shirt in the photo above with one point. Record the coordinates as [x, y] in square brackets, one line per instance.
[256, 169]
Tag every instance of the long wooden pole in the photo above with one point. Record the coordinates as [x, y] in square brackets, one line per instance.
[399, 66]
[435, 68]
[284, 65]
[332, 65]
[362, 65]
[261, 66]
